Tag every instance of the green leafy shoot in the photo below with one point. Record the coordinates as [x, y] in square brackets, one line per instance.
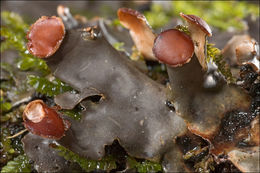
[215, 55]
[46, 87]
[107, 163]
[144, 166]
[14, 32]
[19, 164]
[119, 46]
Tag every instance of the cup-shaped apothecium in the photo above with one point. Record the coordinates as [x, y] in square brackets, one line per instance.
[45, 36]
[248, 53]
[41, 120]
[199, 30]
[173, 47]
[140, 30]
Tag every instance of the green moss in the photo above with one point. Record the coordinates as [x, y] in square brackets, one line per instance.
[14, 39]
[7, 150]
[19, 164]
[107, 163]
[14, 21]
[6, 144]
[26, 61]
[183, 29]
[34, 64]
[214, 54]
[46, 87]
[14, 31]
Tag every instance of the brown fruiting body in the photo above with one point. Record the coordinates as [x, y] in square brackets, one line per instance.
[199, 22]
[199, 30]
[140, 30]
[229, 50]
[41, 120]
[45, 36]
[173, 47]
[247, 52]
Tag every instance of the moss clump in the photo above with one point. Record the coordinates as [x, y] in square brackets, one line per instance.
[14, 31]
[214, 54]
